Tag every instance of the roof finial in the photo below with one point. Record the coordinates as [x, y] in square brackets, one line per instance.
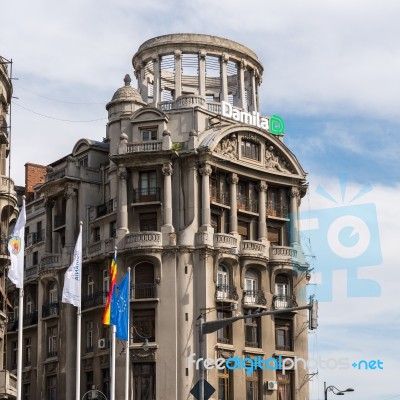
[127, 80]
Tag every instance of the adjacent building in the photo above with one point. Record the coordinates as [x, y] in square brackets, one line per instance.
[200, 196]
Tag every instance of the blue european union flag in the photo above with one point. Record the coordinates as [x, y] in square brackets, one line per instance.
[120, 308]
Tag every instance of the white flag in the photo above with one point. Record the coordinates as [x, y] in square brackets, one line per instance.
[16, 247]
[73, 277]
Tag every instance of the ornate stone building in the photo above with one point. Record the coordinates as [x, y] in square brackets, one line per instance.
[202, 207]
[8, 212]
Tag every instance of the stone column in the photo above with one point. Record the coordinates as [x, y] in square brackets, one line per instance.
[49, 204]
[167, 172]
[294, 196]
[70, 216]
[224, 77]
[233, 181]
[157, 79]
[123, 200]
[178, 73]
[205, 172]
[242, 68]
[142, 84]
[262, 222]
[253, 91]
[202, 73]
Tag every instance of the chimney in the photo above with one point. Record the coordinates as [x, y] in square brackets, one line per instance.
[34, 174]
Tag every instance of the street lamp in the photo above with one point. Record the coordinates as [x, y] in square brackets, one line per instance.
[145, 344]
[335, 390]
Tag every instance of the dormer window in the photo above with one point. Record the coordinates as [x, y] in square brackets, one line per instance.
[149, 134]
[250, 149]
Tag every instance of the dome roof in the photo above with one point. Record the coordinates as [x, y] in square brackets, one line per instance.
[127, 93]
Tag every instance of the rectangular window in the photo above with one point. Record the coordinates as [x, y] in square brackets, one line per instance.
[253, 382]
[225, 383]
[105, 378]
[283, 334]
[250, 150]
[27, 391]
[113, 229]
[96, 234]
[224, 335]
[51, 387]
[285, 385]
[28, 351]
[52, 341]
[144, 381]
[89, 380]
[147, 186]
[274, 236]
[149, 134]
[252, 332]
[144, 323]
[35, 258]
[243, 230]
[89, 336]
[148, 222]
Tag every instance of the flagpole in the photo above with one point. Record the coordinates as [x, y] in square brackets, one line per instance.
[20, 329]
[113, 339]
[127, 366]
[78, 335]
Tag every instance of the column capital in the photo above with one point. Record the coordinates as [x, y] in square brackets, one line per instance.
[205, 169]
[262, 187]
[224, 57]
[202, 54]
[69, 192]
[234, 179]
[122, 173]
[294, 192]
[49, 202]
[243, 63]
[167, 168]
[155, 57]
[177, 54]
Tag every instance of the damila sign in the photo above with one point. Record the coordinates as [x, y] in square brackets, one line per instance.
[273, 124]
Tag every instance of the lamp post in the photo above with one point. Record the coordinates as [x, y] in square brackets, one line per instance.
[335, 390]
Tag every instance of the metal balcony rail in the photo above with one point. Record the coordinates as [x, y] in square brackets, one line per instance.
[219, 196]
[276, 210]
[280, 301]
[30, 319]
[143, 291]
[247, 204]
[107, 208]
[59, 220]
[94, 299]
[256, 297]
[50, 309]
[226, 292]
[52, 353]
[146, 195]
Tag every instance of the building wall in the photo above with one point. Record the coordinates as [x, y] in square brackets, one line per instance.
[202, 209]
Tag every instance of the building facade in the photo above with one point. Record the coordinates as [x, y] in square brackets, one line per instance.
[201, 199]
[8, 212]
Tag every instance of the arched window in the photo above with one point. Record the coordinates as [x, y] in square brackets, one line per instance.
[282, 291]
[251, 286]
[144, 284]
[223, 286]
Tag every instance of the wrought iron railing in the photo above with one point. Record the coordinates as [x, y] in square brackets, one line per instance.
[94, 299]
[219, 196]
[247, 204]
[256, 297]
[276, 210]
[50, 309]
[31, 318]
[226, 292]
[280, 301]
[107, 208]
[146, 195]
[143, 291]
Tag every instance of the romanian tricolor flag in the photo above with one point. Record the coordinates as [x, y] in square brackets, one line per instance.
[113, 277]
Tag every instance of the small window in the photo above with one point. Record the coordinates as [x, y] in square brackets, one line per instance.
[51, 383]
[250, 150]
[148, 222]
[224, 335]
[252, 331]
[113, 229]
[52, 341]
[28, 351]
[89, 336]
[253, 385]
[144, 326]
[149, 134]
[96, 234]
[35, 258]
[283, 334]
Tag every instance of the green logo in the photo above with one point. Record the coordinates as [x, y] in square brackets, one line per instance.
[276, 125]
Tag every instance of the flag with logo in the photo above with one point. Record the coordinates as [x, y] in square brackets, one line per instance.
[120, 308]
[73, 277]
[113, 277]
[16, 247]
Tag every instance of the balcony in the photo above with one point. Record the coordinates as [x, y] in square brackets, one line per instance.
[94, 300]
[220, 197]
[8, 384]
[276, 210]
[282, 254]
[59, 221]
[35, 238]
[244, 203]
[50, 310]
[226, 292]
[103, 209]
[49, 261]
[143, 239]
[224, 240]
[146, 195]
[282, 301]
[254, 298]
[30, 319]
[95, 249]
[143, 291]
[7, 184]
[32, 273]
[253, 248]
[144, 146]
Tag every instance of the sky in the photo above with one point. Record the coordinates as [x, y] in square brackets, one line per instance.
[331, 71]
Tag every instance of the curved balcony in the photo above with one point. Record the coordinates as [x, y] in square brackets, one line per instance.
[254, 298]
[143, 239]
[95, 249]
[282, 254]
[50, 310]
[143, 291]
[282, 301]
[49, 261]
[226, 292]
[253, 248]
[94, 300]
[224, 240]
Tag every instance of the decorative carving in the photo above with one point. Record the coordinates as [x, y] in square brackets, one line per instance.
[294, 192]
[69, 193]
[202, 54]
[167, 169]
[233, 179]
[88, 363]
[224, 353]
[205, 169]
[262, 187]
[122, 173]
[227, 147]
[274, 162]
[177, 54]
[51, 368]
[104, 360]
[140, 354]
[225, 57]
[49, 202]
